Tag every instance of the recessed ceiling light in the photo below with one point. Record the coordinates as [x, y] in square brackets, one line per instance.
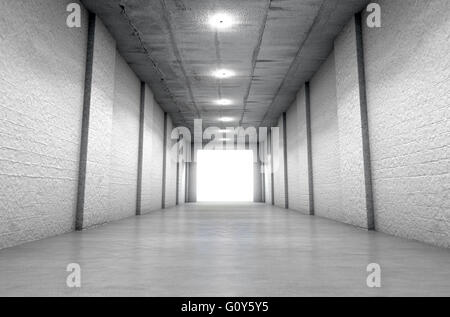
[223, 102]
[223, 73]
[226, 119]
[221, 21]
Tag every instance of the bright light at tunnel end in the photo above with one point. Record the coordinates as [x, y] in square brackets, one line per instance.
[225, 176]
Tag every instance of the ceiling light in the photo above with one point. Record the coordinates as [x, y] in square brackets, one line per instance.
[223, 73]
[226, 119]
[223, 102]
[220, 21]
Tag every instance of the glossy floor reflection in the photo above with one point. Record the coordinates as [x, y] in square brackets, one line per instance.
[225, 250]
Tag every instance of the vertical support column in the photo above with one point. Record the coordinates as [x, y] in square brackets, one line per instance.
[140, 150]
[193, 175]
[186, 181]
[257, 186]
[163, 199]
[309, 149]
[262, 163]
[353, 130]
[177, 184]
[85, 123]
[364, 122]
[272, 188]
[285, 162]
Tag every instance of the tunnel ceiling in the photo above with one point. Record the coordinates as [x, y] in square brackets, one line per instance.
[273, 47]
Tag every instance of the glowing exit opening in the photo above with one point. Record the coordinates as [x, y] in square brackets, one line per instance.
[225, 175]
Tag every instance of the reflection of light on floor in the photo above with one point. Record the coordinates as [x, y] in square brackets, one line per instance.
[225, 175]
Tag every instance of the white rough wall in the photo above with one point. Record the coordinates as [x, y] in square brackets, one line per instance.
[353, 192]
[278, 153]
[292, 138]
[42, 65]
[171, 168]
[148, 199]
[192, 188]
[155, 161]
[125, 141]
[408, 84]
[181, 183]
[97, 186]
[325, 143]
[298, 185]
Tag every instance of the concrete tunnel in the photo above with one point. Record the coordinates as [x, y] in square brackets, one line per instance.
[225, 148]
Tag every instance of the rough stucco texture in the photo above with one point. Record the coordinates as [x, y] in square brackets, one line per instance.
[408, 84]
[182, 183]
[152, 154]
[353, 190]
[298, 186]
[278, 166]
[171, 168]
[124, 144]
[97, 203]
[41, 102]
[325, 143]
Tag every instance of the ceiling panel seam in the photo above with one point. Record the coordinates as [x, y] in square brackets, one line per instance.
[255, 58]
[178, 56]
[295, 60]
[147, 52]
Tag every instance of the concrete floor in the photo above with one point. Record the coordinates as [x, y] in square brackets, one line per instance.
[225, 250]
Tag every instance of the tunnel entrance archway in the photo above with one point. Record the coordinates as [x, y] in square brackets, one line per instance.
[225, 175]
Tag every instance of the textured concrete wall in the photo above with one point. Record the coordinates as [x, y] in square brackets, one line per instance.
[278, 154]
[325, 143]
[125, 139]
[192, 188]
[171, 168]
[407, 73]
[156, 159]
[293, 135]
[41, 104]
[348, 101]
[97, 203]
[298, 185]
[42, 65]
[152, 154]
[181, 183]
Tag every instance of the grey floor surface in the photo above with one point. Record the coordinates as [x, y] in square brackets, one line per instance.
[225, 250]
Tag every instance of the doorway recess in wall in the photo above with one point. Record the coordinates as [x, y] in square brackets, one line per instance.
[225, 175]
